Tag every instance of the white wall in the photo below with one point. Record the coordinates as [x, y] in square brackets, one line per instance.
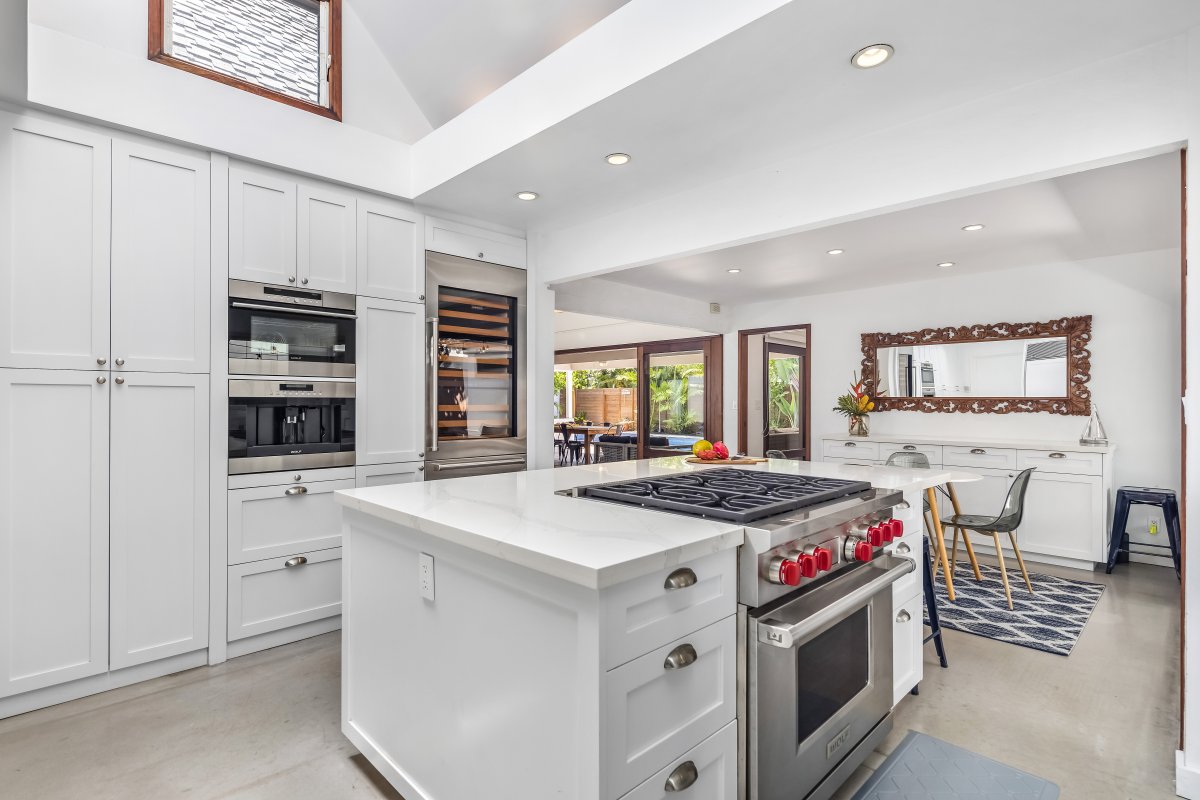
[13, 23]
[1134, 302]
[89, 58]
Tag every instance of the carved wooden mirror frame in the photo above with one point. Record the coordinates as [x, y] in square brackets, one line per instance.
[1078, 333]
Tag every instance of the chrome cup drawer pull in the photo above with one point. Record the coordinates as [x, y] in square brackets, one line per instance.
[680, 579]
[910, 447]
[297, 561]
[682, 777]
[296, 490]
[978, 451]
[903, 616]
[850, 444]
[1058, 455]
[903, 548]
[680, 657]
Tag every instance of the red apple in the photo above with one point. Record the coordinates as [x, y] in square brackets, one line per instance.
[721, 450]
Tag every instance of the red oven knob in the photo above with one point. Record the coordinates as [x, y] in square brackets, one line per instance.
[875, 536]
[863, 551]
[824, 557]
[887, 530]
[897, 528]
[785, 572]
[808, 565]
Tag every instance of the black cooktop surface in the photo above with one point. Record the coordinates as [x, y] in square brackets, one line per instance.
[735, 495]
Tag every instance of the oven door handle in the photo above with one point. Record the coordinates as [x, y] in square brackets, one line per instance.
[433, 383]
[508, 462]
[778, 634]
[312, 312]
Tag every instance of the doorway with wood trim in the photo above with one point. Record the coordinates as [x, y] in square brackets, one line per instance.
[774, 408]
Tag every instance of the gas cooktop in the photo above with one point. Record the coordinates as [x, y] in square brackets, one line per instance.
[735, 495]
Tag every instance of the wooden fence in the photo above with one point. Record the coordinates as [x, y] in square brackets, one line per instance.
[607, 405]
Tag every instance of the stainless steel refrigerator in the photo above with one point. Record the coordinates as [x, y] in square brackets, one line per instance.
[475, 367]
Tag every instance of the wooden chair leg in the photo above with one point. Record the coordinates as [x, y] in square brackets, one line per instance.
[1003, 571]
[941, 545]
[1012, 537]
[971, 555]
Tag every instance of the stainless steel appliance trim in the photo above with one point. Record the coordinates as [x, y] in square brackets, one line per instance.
[250, 290]
[311, 369]
[834, 780]
[432, 384]
[334, 389]
[312, 312]
[780, 634]
[499, 462]
[246, 466]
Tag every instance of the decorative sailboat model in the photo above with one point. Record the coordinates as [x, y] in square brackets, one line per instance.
[1094, 434]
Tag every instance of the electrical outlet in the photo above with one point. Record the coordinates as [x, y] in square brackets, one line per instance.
[425, 576]
[1152, 527]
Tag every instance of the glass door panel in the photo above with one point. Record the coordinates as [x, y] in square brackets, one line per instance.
[784, 400]
[476, 370]
[675, 399]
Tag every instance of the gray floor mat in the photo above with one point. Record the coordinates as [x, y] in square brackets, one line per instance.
[925, 768]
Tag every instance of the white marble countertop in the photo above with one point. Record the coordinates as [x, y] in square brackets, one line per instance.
[976, 441]
[517, 516]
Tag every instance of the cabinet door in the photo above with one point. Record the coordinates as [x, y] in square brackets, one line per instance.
[391, 251]
[262, 228]
[54, 527]
[1064, 516]
[391, 384]
[160, 260]
[54, 245]
[387, 474]
[907, 633]
[325, 250]
[159, 517]
[456, 239]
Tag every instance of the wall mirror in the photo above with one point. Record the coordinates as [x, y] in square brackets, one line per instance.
[983, 369]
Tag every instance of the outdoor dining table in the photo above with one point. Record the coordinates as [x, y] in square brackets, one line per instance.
[588, 431]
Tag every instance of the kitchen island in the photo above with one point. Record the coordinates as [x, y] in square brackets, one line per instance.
[501, 640]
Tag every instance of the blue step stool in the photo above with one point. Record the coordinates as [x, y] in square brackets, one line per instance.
[1118, 540]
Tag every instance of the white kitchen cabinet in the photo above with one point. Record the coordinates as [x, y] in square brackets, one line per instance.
[54, 527]
[262, 227]
[273, 521]
[713, 762]
[159, 516]
[907, 661]
[1064, 516]
[457, 239]
[387, 474]
[326, 250]
[391, 386]
[160, 260]
[55, 194]
[391, 251]
[278, 593]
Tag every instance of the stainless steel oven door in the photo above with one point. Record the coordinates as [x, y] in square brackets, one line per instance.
[277, 330]
[820, 682]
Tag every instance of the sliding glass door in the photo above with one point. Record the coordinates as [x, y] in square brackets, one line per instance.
[680, 391]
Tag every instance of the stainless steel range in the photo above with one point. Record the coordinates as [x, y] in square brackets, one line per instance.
[814, 612]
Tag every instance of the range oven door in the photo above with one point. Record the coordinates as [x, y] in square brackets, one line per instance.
[290, 424]
[276, 330]
[820, 682]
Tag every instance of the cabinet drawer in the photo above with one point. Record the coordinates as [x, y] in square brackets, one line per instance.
[844, 448]
[273, 521]
[993, 457]
[713, 762]
[250, 480]
[655, 713]
[269, 595]
[387, 474]
[931, 451]
[1060, 461]
[639, 615]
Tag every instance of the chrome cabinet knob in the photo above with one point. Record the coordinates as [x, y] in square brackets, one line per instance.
[102, 361]
[102, 380]
[296, 478]
[422, 297]
[481, 255]
[304, 281]
[680, 579]
[297, 561]
[291, 278]
[120, 381]
[421, 468]
[682, 656]
[682, 777]
[120, 362]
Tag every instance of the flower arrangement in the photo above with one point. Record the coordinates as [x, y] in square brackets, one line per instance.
[855, 405]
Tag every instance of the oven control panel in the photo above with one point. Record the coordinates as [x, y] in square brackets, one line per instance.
[809, 559]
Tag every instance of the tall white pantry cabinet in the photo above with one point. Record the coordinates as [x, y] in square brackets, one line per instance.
[104, 392]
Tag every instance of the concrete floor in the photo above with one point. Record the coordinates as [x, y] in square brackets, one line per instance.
[1101, 723]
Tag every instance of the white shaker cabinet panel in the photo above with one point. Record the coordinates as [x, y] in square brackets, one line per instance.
[159, 522]
[908, 663]
[387, 474]
[262, 228]
[54, 527]
[274, 521]
[325, 251]
[1064, 516]
[391, 251]
[457, 239]
[391, 381]
[279, 593]
[55, 186]
[160, 260]
[706, 772]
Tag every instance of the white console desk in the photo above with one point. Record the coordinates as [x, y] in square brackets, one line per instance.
[1066, 508]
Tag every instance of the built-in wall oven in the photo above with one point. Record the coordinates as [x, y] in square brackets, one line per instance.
[279, 330]
[290, 423]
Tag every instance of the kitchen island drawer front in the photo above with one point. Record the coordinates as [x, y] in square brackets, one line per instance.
[706, 772]
[278, 593]
[1061, 461]
[987, 457]
[667, 702]
[931, 451]
[274, 521]
[645, 613]
[845, 448]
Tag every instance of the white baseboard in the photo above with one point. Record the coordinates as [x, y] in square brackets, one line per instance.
[379, 760]
[1187, 778]
[265, 641]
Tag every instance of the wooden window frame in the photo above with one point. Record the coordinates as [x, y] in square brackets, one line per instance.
[157, 52]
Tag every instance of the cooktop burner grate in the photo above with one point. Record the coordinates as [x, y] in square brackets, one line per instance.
[728, 494]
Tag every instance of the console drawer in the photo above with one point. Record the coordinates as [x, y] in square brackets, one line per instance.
[269, 595]
[989, 457]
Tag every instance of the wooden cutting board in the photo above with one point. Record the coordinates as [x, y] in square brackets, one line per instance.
[727, 462]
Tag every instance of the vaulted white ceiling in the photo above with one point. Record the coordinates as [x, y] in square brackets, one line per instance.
[452, 53]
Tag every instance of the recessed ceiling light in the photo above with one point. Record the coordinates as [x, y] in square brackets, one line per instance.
[835, 252]
[945, 264]
[617, 159]
[872, 56]
[527, 195]
[733, 271]
[973, 227]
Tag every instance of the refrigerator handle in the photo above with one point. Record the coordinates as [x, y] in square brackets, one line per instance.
[433, 383]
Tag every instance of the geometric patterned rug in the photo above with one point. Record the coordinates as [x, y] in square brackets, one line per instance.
[1049, 620]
